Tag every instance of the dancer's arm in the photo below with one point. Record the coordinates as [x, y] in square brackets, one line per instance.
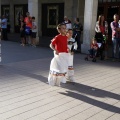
[53, 48]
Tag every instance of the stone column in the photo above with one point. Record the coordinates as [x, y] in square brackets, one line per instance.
[68, 9]
[0, 35]
[80, 14]
[90, 15]
[11, 16]
[33, 9]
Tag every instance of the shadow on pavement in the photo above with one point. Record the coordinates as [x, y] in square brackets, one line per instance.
[80, 92]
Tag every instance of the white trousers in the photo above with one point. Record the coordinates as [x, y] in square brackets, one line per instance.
[58, 69]
[70, 72]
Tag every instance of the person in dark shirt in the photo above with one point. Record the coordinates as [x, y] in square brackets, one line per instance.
[115, 36]
[4, 28]
[22, 30]
[77, 29]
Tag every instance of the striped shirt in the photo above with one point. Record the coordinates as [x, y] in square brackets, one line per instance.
[114, 25]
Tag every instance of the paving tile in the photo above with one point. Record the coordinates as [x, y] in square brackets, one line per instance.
[114, 117]
[26, 95]
[103, 115]
[53, 118]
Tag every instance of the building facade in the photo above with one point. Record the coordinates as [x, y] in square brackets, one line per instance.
[49, 13]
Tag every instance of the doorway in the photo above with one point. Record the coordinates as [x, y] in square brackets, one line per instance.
[52, 15]
[19, 10]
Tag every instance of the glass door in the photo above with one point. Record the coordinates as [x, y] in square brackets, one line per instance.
[5, 10]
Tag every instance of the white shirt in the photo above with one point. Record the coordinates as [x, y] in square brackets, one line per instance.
[68, 25]
[34, 27]
[5, 23]
[72, 44]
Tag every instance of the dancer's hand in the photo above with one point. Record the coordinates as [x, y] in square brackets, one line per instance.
[72, 53]
[56, 52]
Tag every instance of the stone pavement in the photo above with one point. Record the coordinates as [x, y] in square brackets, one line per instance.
[26, 95]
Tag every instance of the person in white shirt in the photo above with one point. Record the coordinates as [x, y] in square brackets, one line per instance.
[34, 31]
[72, 46]
[4, 27]
[67, 22]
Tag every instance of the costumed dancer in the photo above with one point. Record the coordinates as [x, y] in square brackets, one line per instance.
[72, 45]
[59, 64]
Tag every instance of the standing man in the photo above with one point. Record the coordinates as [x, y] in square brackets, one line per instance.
[28, 29]
[115, 36]
[4, 28]
[22, 30]
[67, 22]
[77, 30]
[34, 31]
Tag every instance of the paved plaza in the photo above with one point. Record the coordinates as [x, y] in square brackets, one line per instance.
[26, 95]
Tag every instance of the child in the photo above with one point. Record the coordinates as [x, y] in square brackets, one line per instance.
[94, 47]
[34, 32]
[59, 64]
[72, 45]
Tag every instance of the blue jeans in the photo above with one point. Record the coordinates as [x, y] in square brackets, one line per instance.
[93, 52]
[115, 45]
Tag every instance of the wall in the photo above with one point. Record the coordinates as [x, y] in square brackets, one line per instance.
[12, 3]
[0, 7]
[40, 12]
[4, 2]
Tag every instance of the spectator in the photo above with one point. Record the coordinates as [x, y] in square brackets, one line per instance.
[34, 32]
[101, 30]
[77, 29]
[22, 30]
[115, 36]
[4, 28]
[93, 48]
[28, 29]
[67, 22]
